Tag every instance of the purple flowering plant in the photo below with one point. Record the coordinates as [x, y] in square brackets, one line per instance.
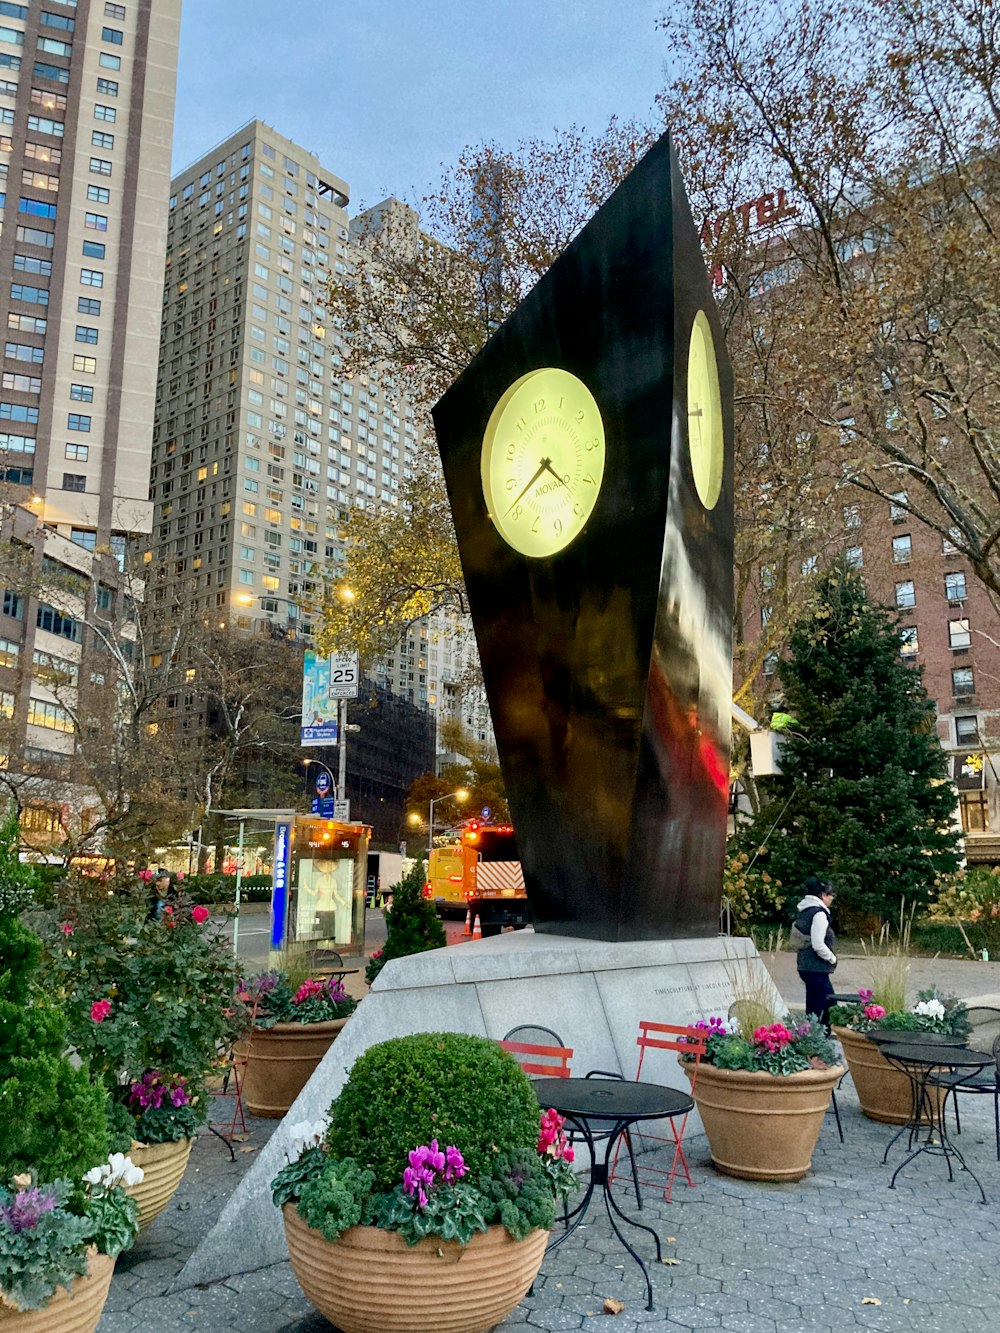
[770, 1048]
[272, 998]
[165, 1106]
[48, 1231]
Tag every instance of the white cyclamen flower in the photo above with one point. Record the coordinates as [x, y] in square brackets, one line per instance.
[121, 1170]
[95, 1175]
[307, 1133]
[930, 1008]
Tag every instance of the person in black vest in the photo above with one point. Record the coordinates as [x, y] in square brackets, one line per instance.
[813, 933]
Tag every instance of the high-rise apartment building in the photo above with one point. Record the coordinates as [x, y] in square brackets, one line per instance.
[263, 446]
[87, 92]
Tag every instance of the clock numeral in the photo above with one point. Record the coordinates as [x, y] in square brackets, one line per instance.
[592, 444]
[577, 510]
[557, 525]
[510, 452]
[517, 511]
[589, 479]
[539, 405]
[521, 423]
[561, 402]
[580, 415]
[534, 526]
[511, 483]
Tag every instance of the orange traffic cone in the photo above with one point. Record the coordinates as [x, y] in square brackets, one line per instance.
[467, 928]
[477, 930]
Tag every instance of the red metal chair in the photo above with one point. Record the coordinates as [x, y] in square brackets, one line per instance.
[226, 1080]
[686, 1041]
[537, 1059]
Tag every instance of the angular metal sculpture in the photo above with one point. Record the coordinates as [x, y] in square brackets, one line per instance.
[587, 452]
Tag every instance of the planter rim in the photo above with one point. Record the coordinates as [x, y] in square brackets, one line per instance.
[167, 1144]
[327, 1025]
[760, 1076]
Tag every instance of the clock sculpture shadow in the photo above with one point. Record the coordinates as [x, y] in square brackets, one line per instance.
[608, 663]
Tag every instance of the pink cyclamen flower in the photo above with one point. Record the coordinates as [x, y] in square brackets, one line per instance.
[99, 1010]
[307, 990]
[200, 914]
[874, 1011]
[865, 995]
[67, 927]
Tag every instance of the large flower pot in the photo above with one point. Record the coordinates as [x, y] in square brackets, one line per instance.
[884, 1091]
[763, 1126]
[164, 1165]
[371, 1281]
[281, 1061]
[75, 1311]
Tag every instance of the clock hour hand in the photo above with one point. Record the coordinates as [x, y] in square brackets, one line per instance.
[545, 463]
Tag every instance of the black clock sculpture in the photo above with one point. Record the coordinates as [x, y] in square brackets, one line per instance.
[587, 452]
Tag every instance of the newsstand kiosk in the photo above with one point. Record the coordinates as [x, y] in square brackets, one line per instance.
[318, 898]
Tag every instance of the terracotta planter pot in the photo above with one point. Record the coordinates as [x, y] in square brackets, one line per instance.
[164, 1165]
[75, 1311]
[761, 1126]
[371, 1281]
[885, 1093]
[282, 1060]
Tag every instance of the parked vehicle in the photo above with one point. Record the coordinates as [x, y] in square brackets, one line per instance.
[481, 874]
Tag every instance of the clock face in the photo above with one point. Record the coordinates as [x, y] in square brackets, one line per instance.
[706, 440]
[543, 461]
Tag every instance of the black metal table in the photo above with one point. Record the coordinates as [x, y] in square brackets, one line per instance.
[614, 1104]
[919, 1062]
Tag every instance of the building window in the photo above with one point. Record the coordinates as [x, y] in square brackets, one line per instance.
[56, 622]
[53, 48]
[85, 365]
[113, 36]
[954, 586]
[74, 481]
[967, 730]
[84, 537]
[45, 714]
[902, 549]
[908, 645]
[36, 208]
[32, 295]
[76, 421]
[852, 516]
[13, 604]
[962, 682]
[100, 166]
[25, 352]
[114, 11]
[897, 512]
[99, 194]
[771, 664]
[95, 221]
[107, 61]
[77, 453]
[94, 249]
[959, 634]
[84, 334]
[81, 393]
[32, 264]
[88, 305]
[91, 277]
[108, 87]
[854, 557]
[906, 595]
[107, 113]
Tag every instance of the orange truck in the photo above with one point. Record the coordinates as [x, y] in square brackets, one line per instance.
[481, 874]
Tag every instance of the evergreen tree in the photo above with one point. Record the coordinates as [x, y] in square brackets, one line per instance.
[863, 796]
[413, 923]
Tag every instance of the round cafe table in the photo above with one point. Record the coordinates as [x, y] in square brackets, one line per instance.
[609, 1106]
[920, 1061]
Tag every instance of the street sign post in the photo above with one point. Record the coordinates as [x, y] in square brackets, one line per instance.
[322, 783]
[342, 811]
[345, 675]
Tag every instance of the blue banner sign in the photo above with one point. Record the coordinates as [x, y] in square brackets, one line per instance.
[319, 704]
[279, 892]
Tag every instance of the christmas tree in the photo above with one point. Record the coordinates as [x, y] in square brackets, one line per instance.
[864, 796]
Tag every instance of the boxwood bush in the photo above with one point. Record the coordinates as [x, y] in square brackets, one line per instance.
[458, 1089]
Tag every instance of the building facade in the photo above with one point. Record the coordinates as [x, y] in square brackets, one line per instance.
[87, 92]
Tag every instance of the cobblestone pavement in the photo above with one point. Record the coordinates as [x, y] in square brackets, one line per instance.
[838, 1251]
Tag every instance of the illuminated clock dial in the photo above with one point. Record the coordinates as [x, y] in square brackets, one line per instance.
[543, 461]
[706, 440]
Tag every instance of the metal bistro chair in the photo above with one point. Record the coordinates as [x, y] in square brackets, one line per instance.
[986, 1082]
[682, 1040]
[546, 1061]
[226, 1080]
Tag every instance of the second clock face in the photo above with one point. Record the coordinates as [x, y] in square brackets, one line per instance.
[706, 438]
[543, 461]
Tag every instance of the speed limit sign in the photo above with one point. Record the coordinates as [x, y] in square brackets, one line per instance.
[344, 676]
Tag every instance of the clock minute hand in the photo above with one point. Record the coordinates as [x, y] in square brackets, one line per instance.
[541, 468]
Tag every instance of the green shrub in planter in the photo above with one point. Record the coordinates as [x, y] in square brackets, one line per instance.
[432, 1085]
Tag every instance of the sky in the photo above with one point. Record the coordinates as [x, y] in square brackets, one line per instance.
[385, 92]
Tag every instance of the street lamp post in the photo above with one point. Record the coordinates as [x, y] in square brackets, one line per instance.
[460, 795]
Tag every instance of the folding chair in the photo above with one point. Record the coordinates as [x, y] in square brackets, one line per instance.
[537, 1058]
[226, 1080]
[688, 1041]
